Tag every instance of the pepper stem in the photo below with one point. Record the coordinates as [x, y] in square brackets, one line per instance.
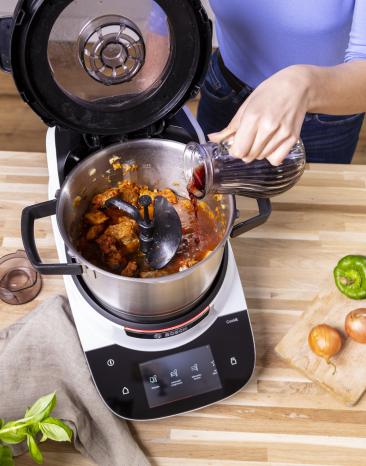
[346, 281]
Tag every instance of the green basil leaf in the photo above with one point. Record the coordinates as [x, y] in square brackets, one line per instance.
[42, 408]
[34, 450]
[56, 430]
[34, 429]
[44, 438]
[6, 456]
[13, 433]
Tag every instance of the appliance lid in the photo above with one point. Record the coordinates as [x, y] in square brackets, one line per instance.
[109, 66]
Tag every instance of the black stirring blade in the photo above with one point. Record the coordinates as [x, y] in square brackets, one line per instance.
[167, 234]
[160, 237]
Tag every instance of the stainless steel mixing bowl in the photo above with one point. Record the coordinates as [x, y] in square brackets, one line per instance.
[160, 165]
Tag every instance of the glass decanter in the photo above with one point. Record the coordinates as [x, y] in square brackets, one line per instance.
[209, 168]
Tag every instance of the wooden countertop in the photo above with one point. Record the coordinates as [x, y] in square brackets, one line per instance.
[281, 418]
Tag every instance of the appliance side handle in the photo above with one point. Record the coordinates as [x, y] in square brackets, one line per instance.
[265, 209]
[6, 25]
[29, 216]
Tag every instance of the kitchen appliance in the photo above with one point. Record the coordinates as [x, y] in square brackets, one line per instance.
[108, 76]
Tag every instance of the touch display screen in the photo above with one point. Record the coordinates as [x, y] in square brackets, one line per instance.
[181, 375]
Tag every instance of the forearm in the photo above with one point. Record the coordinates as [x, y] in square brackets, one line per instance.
[269, 122]
[336, 90]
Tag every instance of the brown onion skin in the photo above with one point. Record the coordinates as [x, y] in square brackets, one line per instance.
[355, 325]
[325, 341]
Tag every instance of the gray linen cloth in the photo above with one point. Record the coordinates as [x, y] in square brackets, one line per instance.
[41, 353]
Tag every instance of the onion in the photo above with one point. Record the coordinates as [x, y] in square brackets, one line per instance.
[355, 325]
[325, 341]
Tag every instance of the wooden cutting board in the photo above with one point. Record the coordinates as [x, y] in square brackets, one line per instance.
[348, 383]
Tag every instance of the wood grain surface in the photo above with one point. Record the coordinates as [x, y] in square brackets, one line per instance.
[346, 376]
[281, 418]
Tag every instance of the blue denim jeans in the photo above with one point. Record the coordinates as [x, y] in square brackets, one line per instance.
[327, 138]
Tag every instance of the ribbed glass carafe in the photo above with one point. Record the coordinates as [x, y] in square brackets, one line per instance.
[209, 168]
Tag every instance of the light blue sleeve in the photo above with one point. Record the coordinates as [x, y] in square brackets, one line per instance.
[357, 44]
[158, 21]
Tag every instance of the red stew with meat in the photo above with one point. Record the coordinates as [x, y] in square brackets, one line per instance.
[110, 240]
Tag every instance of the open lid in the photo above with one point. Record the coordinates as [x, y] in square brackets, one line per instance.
[109, 66]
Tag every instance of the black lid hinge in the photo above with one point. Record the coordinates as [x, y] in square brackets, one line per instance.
[93, 141]
[195, 91]
[153, 130]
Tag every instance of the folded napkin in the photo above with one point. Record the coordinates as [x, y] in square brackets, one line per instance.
[40, 354]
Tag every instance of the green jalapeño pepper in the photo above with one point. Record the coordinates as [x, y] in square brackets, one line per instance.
[350, 276]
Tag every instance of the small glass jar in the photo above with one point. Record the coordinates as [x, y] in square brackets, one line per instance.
[19, 281]
[209, 168]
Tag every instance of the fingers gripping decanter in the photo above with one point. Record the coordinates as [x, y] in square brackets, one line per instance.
[209, 168]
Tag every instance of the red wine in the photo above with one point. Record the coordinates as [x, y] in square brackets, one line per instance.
[197, 184]
[196, 190]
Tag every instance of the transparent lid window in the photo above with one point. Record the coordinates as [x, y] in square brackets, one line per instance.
[110, 52]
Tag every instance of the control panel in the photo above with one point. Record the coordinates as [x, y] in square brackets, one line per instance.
[144, 385]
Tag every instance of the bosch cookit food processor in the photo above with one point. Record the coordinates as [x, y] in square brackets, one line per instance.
[110, 78]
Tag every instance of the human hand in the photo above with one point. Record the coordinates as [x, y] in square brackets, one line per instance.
[269, 122]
